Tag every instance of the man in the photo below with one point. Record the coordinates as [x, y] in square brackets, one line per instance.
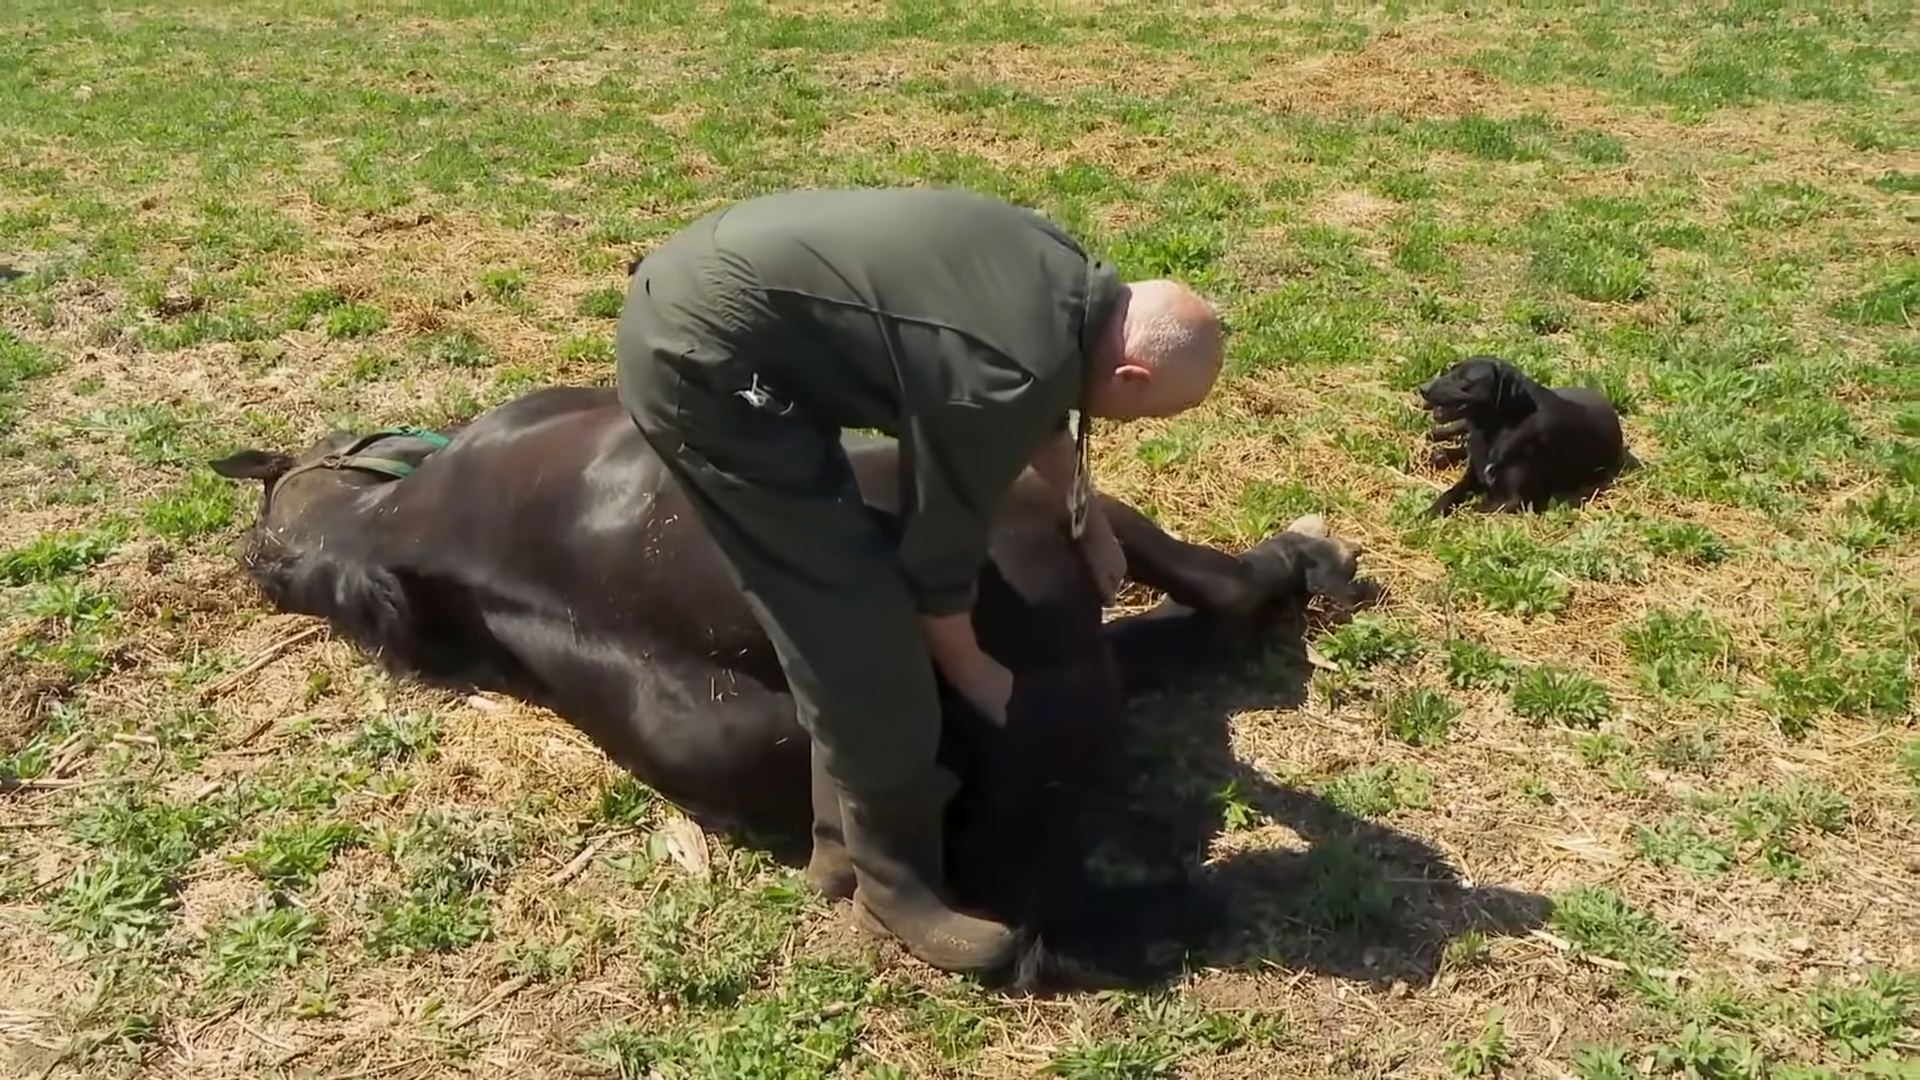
[966, 328]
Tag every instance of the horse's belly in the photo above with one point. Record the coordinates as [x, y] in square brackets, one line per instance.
[710, 740]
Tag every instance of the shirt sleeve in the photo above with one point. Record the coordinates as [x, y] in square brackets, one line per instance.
[963, 450]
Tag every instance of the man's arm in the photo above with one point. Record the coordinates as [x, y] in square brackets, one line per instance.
[962, 462]
[964, 452]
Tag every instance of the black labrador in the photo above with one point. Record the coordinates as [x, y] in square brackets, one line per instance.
[1527, 444]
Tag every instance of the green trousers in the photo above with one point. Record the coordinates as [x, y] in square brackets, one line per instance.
[775, 490]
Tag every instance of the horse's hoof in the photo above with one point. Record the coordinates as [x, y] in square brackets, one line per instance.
[1309, 525]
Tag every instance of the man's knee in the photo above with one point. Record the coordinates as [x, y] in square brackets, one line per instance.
[863, 681]
[876, 743]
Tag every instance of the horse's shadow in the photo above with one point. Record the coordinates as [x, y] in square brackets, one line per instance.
[1357, 899]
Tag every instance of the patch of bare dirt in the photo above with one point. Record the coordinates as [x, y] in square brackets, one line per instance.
[38, 987]
[880, 9]
[1391, 75]
[1357, 210]
[28, 688]
[907, 125]
[652, 62]
[1395, 74]
[1104, 65]
[494, 749]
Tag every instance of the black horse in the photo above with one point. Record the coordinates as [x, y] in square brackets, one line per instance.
[541, 551]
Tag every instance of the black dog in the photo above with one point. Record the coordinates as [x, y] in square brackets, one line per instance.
[1526, 444]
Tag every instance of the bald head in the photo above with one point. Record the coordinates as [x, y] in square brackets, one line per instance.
[1167, 353]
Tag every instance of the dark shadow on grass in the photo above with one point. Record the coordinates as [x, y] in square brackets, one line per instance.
[1363, 901]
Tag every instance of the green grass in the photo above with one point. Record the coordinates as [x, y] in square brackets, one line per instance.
[1684, 714]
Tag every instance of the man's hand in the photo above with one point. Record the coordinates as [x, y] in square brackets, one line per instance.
[978, 677]
[987, 684]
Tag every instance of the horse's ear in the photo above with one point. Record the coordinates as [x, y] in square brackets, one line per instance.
[261, 465]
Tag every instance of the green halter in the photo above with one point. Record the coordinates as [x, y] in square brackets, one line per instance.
[351, 458]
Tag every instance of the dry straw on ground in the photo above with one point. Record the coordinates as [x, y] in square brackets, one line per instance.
[421, 267]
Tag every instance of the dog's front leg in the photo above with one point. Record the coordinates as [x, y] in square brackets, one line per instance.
[1460, 492]
[1500, 503]
[1509, 481]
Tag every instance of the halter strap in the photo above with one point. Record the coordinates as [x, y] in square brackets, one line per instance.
[1094, 326]
[1080, 493]
[352, 458]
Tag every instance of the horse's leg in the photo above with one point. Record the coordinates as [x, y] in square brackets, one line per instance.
[1154, 647]
[1024, 785]
[1209, 580]
[1026, 826]
[1190, 574]
[1214, 600]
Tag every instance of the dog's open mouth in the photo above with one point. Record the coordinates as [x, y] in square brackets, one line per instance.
[1444, 413]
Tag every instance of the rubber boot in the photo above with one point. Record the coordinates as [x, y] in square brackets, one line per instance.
[829, 871]
[897, 844]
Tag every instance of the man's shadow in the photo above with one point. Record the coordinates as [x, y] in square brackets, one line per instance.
[1360, 900]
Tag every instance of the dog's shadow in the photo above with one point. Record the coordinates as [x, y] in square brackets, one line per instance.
[1354, 898]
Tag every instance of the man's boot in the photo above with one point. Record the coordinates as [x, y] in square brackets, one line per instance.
[896, 841]
[829, 871]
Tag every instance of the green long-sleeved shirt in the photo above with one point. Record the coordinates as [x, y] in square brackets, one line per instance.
[953, 321]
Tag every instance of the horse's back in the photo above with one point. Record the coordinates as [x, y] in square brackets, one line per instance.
[560, 487]
[540, 405]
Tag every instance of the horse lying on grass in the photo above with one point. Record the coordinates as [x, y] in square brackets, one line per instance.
[541, 551]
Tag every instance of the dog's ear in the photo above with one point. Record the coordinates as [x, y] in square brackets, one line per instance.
[1513, 390]
[262, 465]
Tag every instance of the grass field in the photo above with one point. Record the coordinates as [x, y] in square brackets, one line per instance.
[1681, 720]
